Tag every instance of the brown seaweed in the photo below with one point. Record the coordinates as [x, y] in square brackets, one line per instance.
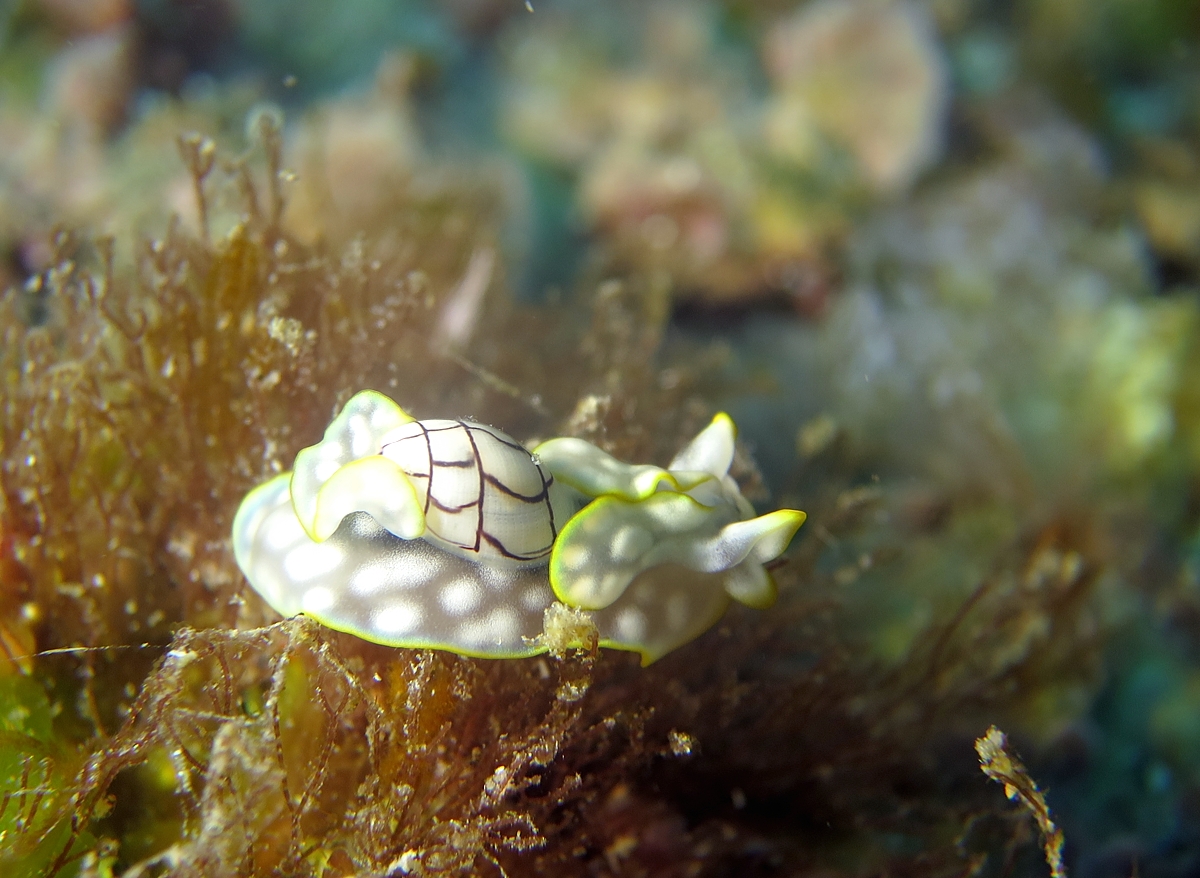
[153, 395]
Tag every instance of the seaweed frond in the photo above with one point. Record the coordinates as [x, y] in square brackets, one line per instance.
[1005, 767]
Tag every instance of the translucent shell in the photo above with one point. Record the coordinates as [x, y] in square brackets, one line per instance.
[449, 534]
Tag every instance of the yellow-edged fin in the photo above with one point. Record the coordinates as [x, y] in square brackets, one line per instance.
[711, 451]
[749, 583]
[255, 507]
[366, 581]
[265, 525]
[663, 608]
[612, 540]
[596, 473]
[303, 486]
[783, 527]
[528, 650]
[357, 432]
[762, 539]
[374, 485]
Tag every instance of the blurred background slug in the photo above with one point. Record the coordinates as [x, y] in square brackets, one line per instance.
[449, 534]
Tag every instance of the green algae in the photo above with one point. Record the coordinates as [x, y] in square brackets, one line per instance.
[36, 769]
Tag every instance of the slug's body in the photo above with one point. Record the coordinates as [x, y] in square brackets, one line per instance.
[450, 534]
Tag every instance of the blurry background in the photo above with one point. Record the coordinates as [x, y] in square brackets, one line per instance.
[940, 259]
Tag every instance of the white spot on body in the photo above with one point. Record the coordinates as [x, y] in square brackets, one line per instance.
[397, 618]
[361, 439]
[631, 625]
[677, 611]
[283, 532]
[370, 579]
[497, 579]
[502, 625]
[630, 542]
[311, 560]
[381, 417]
[575, 556]
[536, 598]
[583, 585]
[460, 597]
[317, 599]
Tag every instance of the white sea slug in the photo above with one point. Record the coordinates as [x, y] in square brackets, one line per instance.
[451, 535]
